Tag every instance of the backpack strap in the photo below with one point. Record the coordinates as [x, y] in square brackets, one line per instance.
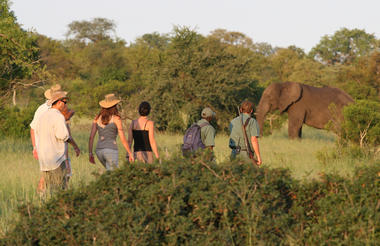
[246, 141]
[247, 122]
[204, 124]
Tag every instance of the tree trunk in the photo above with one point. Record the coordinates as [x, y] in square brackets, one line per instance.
[14, 98]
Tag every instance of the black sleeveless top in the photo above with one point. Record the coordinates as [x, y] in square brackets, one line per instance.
[141, 139]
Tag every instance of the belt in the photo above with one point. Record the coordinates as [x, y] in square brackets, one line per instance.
[234, 147]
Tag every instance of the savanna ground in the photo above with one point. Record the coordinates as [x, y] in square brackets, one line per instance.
[20, 172]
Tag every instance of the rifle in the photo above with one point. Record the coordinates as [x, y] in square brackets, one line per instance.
[246, 140]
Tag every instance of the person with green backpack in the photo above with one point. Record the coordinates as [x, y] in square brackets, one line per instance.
[244, 134]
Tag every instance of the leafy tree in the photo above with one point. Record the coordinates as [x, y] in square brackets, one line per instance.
[19, 60]
[102, 68]
[284, 60]
[57, 58]
[232, 38]
[344, 46]
[264, 49]
[199, 72]
[311, 72]
[95, 30]
[154, 40]
[361, 79]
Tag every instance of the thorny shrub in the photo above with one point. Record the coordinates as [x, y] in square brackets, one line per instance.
[193, 202]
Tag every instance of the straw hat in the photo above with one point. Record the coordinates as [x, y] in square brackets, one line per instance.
[57, 95]
[48, 92]
[109, 101]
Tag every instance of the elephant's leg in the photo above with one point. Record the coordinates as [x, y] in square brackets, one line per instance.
[295, 122]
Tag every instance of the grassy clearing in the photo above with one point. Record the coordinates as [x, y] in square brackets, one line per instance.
[20, 172]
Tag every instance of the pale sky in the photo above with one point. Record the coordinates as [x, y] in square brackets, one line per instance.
[278, 22]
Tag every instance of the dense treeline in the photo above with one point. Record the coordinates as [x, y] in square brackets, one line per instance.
[183, 203]
[179, 72]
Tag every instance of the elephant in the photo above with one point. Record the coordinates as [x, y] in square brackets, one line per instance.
[304, 104]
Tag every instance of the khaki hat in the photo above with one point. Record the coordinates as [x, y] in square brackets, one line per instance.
[109, 101]
[57, 95]
[48, 92]
[207, 112]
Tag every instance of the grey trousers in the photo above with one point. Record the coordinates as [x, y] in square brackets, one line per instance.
[108, 157]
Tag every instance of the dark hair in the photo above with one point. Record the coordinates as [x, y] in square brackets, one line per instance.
[246, 107]
[107, 113]
[144, 109]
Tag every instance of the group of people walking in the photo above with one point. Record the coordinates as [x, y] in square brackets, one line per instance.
[50, 136]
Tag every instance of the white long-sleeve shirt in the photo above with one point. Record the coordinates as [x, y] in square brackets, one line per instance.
[52, 134]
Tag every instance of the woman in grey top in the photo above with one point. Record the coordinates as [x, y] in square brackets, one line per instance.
[108, 124]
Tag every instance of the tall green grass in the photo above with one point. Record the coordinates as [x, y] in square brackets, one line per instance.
[20, 171]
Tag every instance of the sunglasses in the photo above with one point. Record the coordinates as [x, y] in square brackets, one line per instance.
[64, 101]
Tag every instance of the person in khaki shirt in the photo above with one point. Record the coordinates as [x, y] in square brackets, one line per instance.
[237, 142]
[53, 136]
[207, 132]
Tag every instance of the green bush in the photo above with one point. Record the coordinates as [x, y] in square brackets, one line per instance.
[339, 211]
[170, 204]
[201, 203]
[361, 123]
[273, 121]
[14, 122]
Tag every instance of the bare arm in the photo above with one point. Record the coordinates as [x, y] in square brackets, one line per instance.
[68, 168]
[130, 135]
[91, 142]
[152, 140]
[117, 121]
[32, 137]
[72, 142]
[255, 145]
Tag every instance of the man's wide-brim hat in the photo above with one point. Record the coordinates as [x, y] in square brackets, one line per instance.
[52, 89]
[109, 101]
[57, 95]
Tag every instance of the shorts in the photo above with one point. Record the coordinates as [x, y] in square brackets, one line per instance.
[55, 179]
[144, 156]
[242, 155]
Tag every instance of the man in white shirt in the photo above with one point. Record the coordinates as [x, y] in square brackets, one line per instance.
[41, 109]
[52, 135]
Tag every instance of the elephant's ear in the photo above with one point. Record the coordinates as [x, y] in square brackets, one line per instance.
[290, 93]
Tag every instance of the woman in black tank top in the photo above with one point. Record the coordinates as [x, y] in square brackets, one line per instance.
[141, 133]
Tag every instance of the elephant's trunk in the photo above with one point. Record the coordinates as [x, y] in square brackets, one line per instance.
[262, 110]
